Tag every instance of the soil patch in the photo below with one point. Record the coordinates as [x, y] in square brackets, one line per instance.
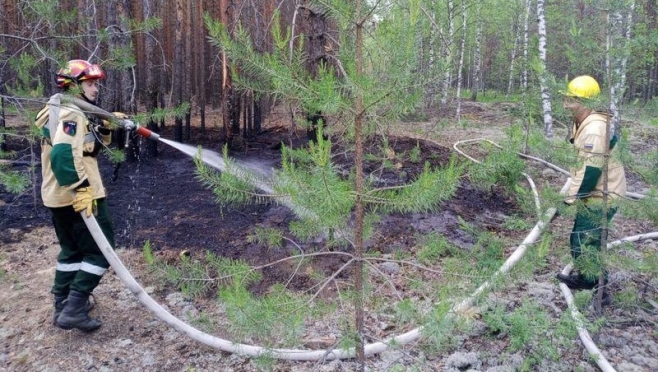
[158, 199]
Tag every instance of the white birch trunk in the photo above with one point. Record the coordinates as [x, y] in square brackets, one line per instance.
[461, 62]
[619, 36]
[526, 26]
[545, 94]
[517, 36]
[450, 41]
[428, 43]
[477, 63]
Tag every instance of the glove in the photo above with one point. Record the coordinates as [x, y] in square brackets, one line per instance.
[84, 200]
[118, 116]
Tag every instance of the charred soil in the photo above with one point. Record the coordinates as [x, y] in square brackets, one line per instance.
[160, 200]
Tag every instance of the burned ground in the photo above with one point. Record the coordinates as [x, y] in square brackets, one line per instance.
[160, 200]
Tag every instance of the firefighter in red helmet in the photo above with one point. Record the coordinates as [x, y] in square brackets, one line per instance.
[72, 184]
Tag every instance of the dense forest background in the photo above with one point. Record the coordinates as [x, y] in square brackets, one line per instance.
[157, 54]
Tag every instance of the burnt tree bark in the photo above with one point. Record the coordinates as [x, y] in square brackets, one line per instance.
[177, 81]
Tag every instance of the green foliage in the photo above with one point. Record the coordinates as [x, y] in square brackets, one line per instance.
[501, 167]
[26, 84]
[628, 257]
[406, 312]
[147, 252]
[415, 153]
[433, 248]
[627, 297]
[424, 194]
[438, 332]
[13, 181]
[270, 237]
[275, 318]
[526, 328]
[489, 253]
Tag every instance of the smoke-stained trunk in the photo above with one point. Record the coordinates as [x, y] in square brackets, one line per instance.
[178, 82]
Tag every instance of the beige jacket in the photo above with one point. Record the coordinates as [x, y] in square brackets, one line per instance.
[65, 160]
[590, 142]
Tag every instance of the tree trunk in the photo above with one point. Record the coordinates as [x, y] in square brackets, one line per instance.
[617, 57]
[189, 69]
[450, 40]
[200, 85]
[516, 30]
[477, 72]
[526, 43]
[150, 62]
[3, 57]
[178, 82]
[543, 81]
[359, 207]
[461, 63]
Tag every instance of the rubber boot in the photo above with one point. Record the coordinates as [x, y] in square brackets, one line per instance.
[60, 300]
[575, 281]
[76, 314]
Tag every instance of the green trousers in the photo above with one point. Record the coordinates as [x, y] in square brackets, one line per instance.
[586, 240]
[80, 263]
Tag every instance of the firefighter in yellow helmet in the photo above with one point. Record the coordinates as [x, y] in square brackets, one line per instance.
[71, 141]
[588, 136]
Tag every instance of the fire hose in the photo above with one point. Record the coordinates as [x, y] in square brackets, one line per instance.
[127, 124]
[287, 354]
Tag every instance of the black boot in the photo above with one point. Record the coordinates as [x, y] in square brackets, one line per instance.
[575, 281]
[76, 314]
[60, 301]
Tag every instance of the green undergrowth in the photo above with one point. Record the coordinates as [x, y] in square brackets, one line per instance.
[530, 330]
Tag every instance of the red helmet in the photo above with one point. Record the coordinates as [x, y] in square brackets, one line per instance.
[78, 70]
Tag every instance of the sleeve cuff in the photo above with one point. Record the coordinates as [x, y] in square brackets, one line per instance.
[84, 183]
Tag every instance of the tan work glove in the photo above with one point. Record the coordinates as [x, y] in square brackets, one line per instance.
[120, 115]
[117, 116]
[84, 201]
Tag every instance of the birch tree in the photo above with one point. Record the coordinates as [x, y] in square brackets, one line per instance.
[517, 35]
[477, 55]
[460, 65]
[620, 23]
[543, 74]
[449, 40]
[526, 46]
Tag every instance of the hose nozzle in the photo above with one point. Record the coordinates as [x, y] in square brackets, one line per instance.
[129, 125]
[147, 133]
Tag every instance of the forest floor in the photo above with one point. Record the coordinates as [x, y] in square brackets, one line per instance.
[159, 200]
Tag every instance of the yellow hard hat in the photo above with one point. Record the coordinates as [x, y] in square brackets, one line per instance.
[583, 86]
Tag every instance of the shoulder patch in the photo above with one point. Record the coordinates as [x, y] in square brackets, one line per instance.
[70, 127]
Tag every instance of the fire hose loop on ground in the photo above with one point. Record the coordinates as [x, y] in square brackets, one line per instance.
[298, 354]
